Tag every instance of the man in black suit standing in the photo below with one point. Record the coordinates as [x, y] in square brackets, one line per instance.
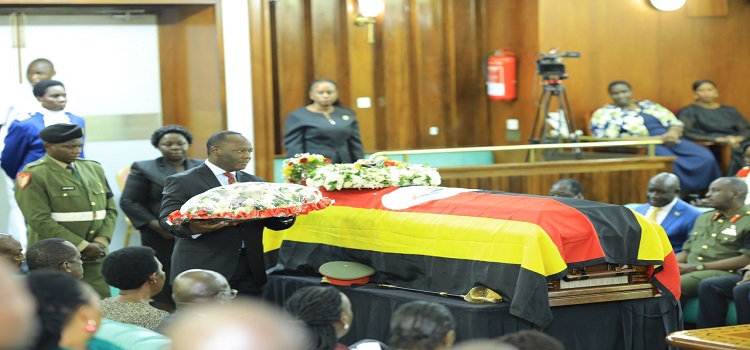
[233, 250]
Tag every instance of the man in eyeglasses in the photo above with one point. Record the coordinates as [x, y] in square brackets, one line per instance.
[198, 286]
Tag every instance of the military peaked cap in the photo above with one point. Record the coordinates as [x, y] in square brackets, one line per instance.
[59, 133]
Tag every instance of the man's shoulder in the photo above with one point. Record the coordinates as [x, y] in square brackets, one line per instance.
[89, 163]
[686, 208]
[247, 177]
[38, 165]
[192, 172]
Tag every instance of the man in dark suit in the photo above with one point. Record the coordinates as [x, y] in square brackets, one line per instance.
[665, 207]
[233, 250]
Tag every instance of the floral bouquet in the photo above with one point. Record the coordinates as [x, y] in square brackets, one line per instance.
[378, 173]
[302, 166]
[250, 200]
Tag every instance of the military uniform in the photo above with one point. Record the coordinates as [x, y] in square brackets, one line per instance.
[715, 237]
[56, 204]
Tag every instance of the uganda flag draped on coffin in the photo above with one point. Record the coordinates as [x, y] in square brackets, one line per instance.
[449, 240]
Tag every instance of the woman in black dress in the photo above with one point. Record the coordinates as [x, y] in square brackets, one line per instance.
[324, 127]
[708, 120]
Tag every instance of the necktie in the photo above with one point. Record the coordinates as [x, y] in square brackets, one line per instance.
[230, 177]
[74, 172]
[654, 213]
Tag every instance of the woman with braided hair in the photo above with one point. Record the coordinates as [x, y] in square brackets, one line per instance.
[326, 312]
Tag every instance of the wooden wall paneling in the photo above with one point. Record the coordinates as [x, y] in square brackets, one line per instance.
[293, 58]
[514, 24]
[428, 60]
[362, 73]
[707, 8]
[264, 121]
[470, 125]
[399, 130]
[192, 71]
[712, 50]
[329, 44]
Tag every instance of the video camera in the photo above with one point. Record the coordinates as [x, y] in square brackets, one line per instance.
[550, 66]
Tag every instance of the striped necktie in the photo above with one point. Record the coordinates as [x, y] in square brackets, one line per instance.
[230, 177]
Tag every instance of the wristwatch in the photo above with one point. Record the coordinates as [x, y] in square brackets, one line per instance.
[699, 267]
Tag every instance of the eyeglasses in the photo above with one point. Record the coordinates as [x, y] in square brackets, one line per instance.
[231, 294]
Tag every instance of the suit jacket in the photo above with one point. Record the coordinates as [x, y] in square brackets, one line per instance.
[309, 132]
[141, 197]
[218, 250]
[678, 223]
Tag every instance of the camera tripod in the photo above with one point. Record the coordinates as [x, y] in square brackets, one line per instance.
[566, 125]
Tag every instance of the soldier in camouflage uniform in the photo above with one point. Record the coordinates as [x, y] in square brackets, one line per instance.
[719, 244]
[66, 197]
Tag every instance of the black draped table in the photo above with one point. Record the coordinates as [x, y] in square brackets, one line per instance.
[640, 324]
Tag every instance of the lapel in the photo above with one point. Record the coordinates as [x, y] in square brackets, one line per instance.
[205, 174]
[673, 215]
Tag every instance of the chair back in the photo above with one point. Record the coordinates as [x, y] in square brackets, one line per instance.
[122, 176]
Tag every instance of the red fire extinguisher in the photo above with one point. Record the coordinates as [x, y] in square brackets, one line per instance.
[500, 73]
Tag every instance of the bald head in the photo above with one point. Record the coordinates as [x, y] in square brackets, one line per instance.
[197, 286]
[11, 250]
[567, 188]
[726, 194]
[243, 325]
[662, 189]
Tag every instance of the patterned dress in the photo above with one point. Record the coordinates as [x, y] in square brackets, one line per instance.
[695, 165]
[139, 314]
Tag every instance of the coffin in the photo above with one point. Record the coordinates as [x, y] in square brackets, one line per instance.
[527, 248]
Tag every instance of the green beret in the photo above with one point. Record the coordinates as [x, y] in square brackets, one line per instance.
[346, 273]
[59, 133]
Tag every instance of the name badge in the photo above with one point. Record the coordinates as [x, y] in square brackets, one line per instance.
[731, 231]
[68, 188]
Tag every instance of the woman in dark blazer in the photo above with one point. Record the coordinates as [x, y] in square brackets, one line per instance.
[324, 127]
[141, 197]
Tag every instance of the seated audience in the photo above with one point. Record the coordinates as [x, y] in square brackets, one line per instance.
[720, 242]
[326, 312]
[55, 254]
[11, 250]
[531, 340]
[17, 310]
[714, 294]
[68, 313]
[567, 188]
[667, 209]
[197, 287]
[422, 325]
[627, 118]
[743, 173]
[138, 274]
[245, 324]
[708, 120]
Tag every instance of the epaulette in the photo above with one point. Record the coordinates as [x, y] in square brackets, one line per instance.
[35, 163]
[87, 160]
